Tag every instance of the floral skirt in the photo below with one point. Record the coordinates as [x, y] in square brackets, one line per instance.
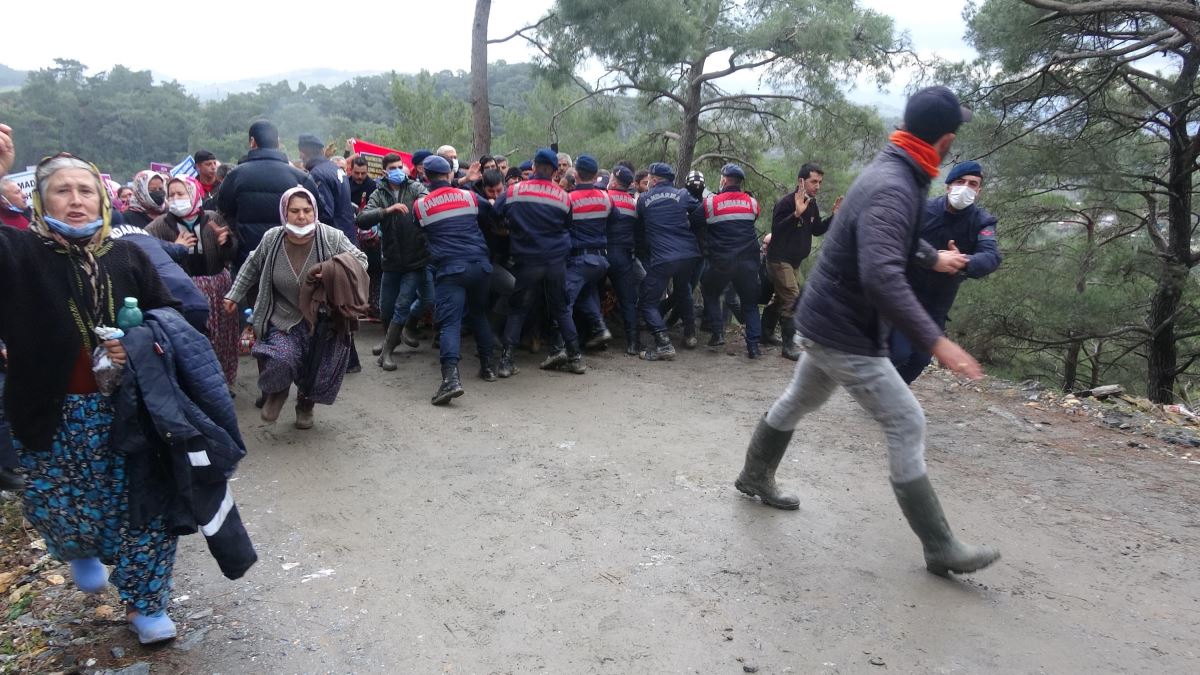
[75, 496]
[224, 329]
[284, 359]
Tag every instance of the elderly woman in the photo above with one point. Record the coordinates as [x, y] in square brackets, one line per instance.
[63, 277]
[149, 198]
[287, 344]
[211, 249]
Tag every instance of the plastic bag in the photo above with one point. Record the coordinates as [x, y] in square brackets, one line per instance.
[107, 374]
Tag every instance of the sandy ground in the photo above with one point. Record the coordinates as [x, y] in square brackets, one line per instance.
[588, 524]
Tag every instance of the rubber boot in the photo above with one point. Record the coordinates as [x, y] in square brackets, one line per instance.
[409, 334]
[757, 479]
[753, 351]
[943, 552]
[507, 367]
[390, 342]
[304, 414]
[717, 340]
[599, 339]
[152, 628]
[633, 345]
[557, 357]
[770, 317]
[451, 385]
[574, 362]
[487, 367]
[378, 349]
[787, 331]
[274, 404]
[662, 351]
[89, 575]
[689, 335]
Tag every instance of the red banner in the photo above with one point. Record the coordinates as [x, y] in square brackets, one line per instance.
[374, 155]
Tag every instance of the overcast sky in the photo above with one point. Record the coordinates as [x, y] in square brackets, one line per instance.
[227, 40]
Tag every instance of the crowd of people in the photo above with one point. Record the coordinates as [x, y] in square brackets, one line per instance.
[535, 252]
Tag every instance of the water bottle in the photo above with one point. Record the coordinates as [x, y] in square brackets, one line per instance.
[130, 315]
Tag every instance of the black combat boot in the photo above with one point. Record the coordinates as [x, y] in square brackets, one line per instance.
[378, 349]
[753, 351]
[689, 335]
[487, 367]
[507, 367]
[757, 479]
[574, 362]
[390, 342]
[451, 386]
[632, 342]
[943, 552]
[770, 317]
[662, 350]
[557, 356]
[599, 339]
[717, 340]
[409, 336]
[787, 331]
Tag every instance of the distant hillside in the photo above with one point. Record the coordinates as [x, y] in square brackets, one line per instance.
[11, 79]
[215, 91]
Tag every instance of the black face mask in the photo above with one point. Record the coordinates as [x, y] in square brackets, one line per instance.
[158, 196]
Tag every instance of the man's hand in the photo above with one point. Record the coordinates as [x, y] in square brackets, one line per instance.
[802, 200]
[956, 359]
[116, 352]
[474, 174]
[8, 151]
[950, 261]
[397, 208]
[837, 204]
[230, 307]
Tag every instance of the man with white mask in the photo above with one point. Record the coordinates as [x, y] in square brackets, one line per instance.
[952, 222]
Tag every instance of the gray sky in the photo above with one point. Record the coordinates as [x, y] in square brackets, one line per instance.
[227, 40]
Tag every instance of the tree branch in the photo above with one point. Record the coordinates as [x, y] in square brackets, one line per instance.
[520, 32]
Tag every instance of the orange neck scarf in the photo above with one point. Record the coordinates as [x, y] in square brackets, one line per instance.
[919, 150]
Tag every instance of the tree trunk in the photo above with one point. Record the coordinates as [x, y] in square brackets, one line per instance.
[689, 132]
[1071, 365]
[481, 114]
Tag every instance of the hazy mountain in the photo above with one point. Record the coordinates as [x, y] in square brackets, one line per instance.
[11, 79]
[212, 91]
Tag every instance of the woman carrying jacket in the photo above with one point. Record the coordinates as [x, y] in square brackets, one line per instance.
[279, 268]
[212, 247]
[63, 277]
[149, 198]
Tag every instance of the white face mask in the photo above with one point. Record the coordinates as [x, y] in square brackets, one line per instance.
[453, 166]
[962, 197]
[180, 207]
[301, 231]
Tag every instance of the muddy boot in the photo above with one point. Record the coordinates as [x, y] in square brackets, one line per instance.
[770, 317]
[787, 331]
[507, 367]
[943, 552]
[662, 350]
[487, 367]
[304, 414]
[633, 345]
[378, 349]
[451, 386]
[600, 339]
[717, 340]
[757, 479]
[689, 336]
[574, 362]
[274, 404]
[409, 334]
[753, 351]
[557, 357]
[390, 342]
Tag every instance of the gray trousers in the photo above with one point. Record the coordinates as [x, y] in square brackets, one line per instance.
[878, 388]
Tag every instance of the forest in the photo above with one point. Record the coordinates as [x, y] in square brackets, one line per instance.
[1086, 123]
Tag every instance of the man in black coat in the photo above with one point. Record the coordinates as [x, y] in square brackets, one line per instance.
[858, 291]
[249, 196]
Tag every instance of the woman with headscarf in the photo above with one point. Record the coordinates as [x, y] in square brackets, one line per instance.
[149, 198]
[287, 342]
[62, 278]
[212, 248]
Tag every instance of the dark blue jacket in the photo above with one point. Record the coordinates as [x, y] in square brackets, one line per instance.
[175, 422]
[670, 215]
[624, 223]
[249, 195]
[454, 220]
[729, 233]
[539, 220]
[333, 193]
[859, 287]
[192, 302]
[973, 231]
[591, 212]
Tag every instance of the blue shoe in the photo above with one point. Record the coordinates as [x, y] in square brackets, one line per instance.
[89, 574]
[152, 628]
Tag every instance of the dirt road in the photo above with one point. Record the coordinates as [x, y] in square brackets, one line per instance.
[588, 524]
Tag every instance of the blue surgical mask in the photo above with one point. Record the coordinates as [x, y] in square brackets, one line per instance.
[76, 233]
[396, 176]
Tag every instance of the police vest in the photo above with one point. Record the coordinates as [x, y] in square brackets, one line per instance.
[622, 226]
[590, 211]
[730, 232]
[450, 219]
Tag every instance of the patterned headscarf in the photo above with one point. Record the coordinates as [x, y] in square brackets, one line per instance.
[91, 291]
[142, 203]
[195, 192]
[283, 202]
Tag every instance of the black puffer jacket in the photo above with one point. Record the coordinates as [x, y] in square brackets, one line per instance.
[249, 196]
[859, 287]
[404, 246]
